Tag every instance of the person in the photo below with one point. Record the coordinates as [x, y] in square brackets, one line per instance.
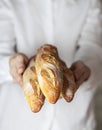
[75, 28]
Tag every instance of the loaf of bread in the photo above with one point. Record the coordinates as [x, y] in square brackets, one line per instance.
[32, 91]
[48, 71]
[69, 84]
[47, 76]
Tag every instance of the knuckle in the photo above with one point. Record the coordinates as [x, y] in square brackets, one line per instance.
[80, 62]
[20, 57]
[87, 70]
[20, 67]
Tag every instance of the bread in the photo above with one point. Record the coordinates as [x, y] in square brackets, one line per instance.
[32, 92]
[69, 84]
[49, 74]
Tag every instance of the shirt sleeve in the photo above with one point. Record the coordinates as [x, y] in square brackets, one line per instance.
[90, 43]
[7, 40]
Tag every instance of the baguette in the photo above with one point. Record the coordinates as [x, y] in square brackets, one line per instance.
[49, 74]
[32, 91]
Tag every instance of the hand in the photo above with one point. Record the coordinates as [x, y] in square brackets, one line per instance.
[18, 63]
[81, 72]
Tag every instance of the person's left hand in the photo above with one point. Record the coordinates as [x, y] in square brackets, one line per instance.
[81, 72]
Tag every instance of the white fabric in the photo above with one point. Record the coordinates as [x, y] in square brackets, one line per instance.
[27, 24]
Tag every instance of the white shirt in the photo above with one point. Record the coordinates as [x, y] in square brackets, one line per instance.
[27, 24]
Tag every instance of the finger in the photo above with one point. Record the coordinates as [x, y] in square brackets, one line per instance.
[88, 74]
[21, 69]
[16, 77]
[77, 73]
[21, 66]
[22, 59]
[18, 80]
[69, 93]
[82, 79]
[26, 60]
[68, 90]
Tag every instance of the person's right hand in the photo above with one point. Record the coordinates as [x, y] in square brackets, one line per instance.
[18, 63]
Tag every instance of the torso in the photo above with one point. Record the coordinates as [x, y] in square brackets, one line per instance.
[52, 21]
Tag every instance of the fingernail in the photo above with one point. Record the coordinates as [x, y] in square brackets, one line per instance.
[69, 94]
[69, 98]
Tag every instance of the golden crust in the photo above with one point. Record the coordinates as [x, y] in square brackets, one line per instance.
[68, 82]
[32, 92]
[49, 72]
[47, 76]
